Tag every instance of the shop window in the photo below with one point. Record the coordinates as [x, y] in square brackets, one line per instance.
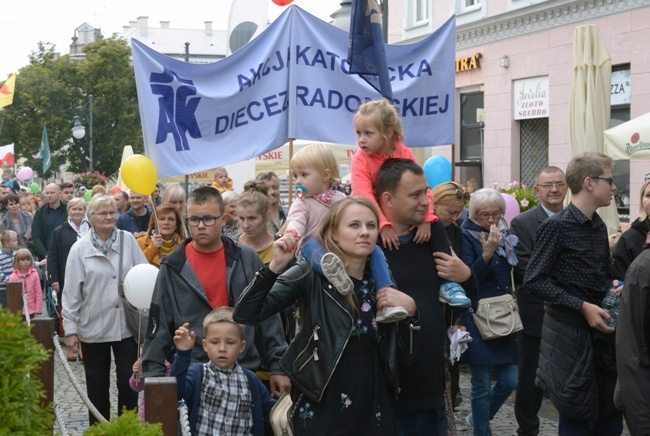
[620, 113]
[471, 138]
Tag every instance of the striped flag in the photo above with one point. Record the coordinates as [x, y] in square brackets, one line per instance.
[367, 53]
[7, 155]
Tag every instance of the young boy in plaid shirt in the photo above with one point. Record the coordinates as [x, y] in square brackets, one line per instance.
[221, 396]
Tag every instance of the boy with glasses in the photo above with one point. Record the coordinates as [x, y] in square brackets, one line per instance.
[551, 188]
[209, 271]
[570, 269]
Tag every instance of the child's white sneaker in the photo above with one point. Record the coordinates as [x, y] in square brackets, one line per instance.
[334, 271]
[391, 314]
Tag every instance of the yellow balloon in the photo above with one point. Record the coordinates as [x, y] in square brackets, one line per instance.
[139, 174]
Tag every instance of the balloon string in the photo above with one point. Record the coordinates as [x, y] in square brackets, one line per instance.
[137, 379]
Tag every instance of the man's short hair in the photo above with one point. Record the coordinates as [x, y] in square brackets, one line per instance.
[266, 176]
[205, 194]
[548, 170]
[221, 314]
[588, 164]
[390, 173]
[66, 185]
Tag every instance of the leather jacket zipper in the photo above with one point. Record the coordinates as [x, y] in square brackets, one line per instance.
[314, 356]
[344, 345]
[314, 336]
[411, 328]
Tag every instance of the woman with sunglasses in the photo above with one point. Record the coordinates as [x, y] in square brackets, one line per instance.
[488, 249]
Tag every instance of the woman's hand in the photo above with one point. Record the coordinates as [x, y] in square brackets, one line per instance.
[137, 368]
[618, 287]
[450, 267]
[389, 237]
[392, 297]
[184, 339]
[456, 327]
[283, 252]
[490, 242]
[157, 241]
[72, 342]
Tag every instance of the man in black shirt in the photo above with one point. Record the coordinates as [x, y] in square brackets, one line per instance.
[401, 192]
[570, 269]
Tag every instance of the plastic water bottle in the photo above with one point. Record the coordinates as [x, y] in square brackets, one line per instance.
[611, 303]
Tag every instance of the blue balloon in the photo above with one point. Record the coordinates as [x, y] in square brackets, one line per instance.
[437, 170]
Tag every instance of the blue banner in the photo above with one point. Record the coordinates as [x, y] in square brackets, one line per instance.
[292, 81]
[367, 56]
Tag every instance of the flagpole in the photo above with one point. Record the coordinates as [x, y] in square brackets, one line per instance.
[290, 178]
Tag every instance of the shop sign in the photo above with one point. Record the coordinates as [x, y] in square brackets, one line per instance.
[531, 98]
[621, 89]
[468, 63]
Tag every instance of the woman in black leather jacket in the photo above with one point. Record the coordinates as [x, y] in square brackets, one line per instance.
[342, 364]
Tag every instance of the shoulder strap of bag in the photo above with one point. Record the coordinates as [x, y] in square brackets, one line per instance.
[120, 282]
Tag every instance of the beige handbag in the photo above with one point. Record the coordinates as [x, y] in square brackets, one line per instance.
[497, 317]
[282, 414]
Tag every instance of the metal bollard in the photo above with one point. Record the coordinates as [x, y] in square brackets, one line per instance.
[160, 403]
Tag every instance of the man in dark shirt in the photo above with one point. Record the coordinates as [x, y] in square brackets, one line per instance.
[47, 218]
[136, 219]
[401, 192]
[570, 269]
[551, 188]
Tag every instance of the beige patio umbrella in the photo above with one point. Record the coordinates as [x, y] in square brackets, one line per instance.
[589, 107]
[629, 140]
[126, 152]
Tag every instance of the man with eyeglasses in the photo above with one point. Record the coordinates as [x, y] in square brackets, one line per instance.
[136, 219]
[551, 188]
[209, 271]
[570, 269]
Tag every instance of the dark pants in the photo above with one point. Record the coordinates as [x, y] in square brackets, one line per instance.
[607, 424]
[97, 365]
[429, 423]
[528, 399]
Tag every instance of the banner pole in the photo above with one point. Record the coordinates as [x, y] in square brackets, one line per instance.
[453, 162]
[290, 176]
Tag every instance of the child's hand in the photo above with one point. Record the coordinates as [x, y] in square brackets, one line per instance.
[137, 368]
[183, 338]
[390, 238]
[423, 233]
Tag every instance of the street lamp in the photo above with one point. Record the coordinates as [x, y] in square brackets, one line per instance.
[79, 131]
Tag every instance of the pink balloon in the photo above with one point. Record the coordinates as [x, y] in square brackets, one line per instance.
[512, 207]
[115, 190]
[25, 173]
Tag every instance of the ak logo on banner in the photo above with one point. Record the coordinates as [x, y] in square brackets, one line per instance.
[292, 81]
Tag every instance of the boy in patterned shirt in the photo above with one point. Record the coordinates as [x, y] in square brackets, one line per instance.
[221, 396]
[9, 240]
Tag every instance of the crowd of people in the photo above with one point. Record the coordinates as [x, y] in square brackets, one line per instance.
[349, 305]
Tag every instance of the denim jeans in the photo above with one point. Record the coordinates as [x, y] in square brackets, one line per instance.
[429, 423]
[487, 399]
[313, 252]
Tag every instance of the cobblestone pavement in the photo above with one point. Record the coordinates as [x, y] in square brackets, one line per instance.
[75, 413]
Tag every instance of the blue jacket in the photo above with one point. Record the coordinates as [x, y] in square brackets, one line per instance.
[493, 280]
[190, 377]
[132, 223]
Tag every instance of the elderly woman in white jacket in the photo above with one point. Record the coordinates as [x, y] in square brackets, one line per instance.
[93, 314]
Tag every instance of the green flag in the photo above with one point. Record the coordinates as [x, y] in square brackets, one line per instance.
[45, 150]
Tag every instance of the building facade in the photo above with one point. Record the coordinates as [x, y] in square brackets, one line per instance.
[514, 69]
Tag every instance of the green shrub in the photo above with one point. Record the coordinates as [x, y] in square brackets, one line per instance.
[20, 356]
[126, 424]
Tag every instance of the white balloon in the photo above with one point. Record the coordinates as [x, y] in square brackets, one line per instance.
[138, 285]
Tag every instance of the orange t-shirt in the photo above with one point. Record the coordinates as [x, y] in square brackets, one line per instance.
[210, 268]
